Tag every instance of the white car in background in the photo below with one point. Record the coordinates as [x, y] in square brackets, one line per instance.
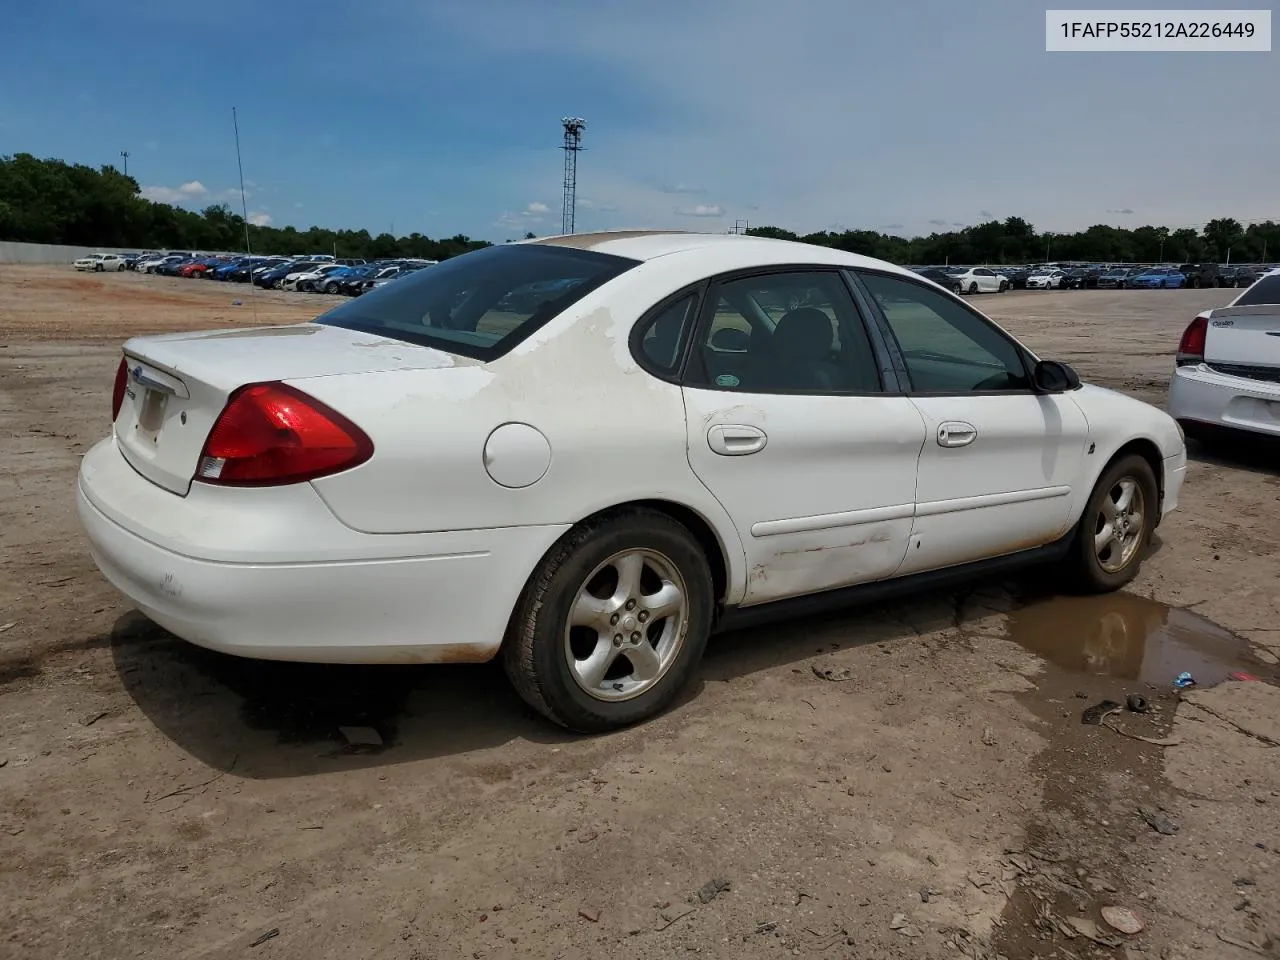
[978, 280]
[309, 279]
[1045, 280]
[1227, 374]
[583, 454]
[99, 262]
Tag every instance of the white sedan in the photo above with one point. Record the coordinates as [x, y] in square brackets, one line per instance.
[978, 280]
[1227, 374]
[1045, 280]
[310, 278]
[99, 262]
[678, 433]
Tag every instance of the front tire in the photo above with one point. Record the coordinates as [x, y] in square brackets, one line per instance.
[1115, 529]
[612, 623]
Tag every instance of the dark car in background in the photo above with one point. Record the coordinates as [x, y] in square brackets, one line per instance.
[1202, 275]
[1082, 278]
[940, 277]
[1114, 279]
[269, 279]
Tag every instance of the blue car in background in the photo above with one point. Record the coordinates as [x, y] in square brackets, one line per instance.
[1156, 277]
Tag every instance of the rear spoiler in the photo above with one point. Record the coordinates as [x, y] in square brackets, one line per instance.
[1253, 310]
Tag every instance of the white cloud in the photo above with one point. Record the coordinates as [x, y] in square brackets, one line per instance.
[297, 206]
[536, 209]
[260, 218]
[681, 188]
[701, 210]
[595, 206]
[184, 193]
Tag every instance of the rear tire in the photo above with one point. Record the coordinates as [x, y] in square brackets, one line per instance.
[973, 287]
[1115, 529]
[549, 661]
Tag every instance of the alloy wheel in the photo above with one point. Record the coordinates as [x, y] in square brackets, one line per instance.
[1120, 525]
[626, 625]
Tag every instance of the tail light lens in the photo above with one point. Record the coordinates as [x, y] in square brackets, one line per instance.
[1191, 347]
[117, 391]
[272, 434]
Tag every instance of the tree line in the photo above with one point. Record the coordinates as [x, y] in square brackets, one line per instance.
[51, 201]
[1016, 241]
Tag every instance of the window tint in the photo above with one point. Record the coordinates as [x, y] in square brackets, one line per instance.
[784, 333]
[947, 348]
[480, 304]
[1266, 290]
[665, 333]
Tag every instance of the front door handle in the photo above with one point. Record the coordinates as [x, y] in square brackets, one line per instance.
[736, 440]
[956, 433]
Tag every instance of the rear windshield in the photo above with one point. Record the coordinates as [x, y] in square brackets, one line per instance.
[480, 304]
[1266, 290]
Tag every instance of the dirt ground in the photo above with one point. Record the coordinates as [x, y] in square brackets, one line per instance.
[935, 796]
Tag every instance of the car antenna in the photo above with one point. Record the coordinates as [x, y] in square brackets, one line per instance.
[244, 210]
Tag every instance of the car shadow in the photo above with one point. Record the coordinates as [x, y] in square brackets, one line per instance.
[1254, 453]
[272, 720]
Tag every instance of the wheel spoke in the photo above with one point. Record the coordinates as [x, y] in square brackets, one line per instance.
[589, 611]
[592, 670]
[667, 601]
[645, 662]
[1125, 500]
[629, 568]
[1135, 523]
[1109, 509]
[1104, 537]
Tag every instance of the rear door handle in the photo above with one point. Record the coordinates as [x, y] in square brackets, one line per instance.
[956, 433]
[736, 440]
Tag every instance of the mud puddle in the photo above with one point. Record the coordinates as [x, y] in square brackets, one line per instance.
[1130, 638]
[1087, 845]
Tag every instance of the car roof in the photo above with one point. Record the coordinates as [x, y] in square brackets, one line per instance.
[756, 251]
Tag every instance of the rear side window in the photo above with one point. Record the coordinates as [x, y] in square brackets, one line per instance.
[664, 335]
[1265, 291]
[480, 304]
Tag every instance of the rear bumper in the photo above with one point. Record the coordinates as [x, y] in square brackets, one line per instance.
[302, 586]
[1200, 396]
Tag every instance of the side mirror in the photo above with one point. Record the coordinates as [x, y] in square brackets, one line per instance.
[1053, 376]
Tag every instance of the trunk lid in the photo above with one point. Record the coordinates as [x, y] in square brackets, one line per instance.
[178, 384]
[1244, 337]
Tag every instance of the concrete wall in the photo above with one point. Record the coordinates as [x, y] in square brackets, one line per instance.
[13, 252]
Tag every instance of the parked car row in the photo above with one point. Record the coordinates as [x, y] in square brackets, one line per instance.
[965, 279]
[316, 273]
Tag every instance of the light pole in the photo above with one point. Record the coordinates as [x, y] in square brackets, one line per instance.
[124, 155]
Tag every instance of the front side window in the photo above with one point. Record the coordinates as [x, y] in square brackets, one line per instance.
[946, 347]
[480, 304]
[794, 332]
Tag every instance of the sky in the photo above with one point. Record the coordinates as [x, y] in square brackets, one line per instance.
[443, 116]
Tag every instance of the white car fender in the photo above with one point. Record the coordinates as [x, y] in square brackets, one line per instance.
[1115, 421]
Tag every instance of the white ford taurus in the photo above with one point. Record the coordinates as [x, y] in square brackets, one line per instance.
[585, 453]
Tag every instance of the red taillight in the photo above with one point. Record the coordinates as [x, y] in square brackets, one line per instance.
[270, 433]
[117, 391]
[1191, 347]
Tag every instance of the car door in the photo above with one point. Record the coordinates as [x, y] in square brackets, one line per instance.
[1000, 462]
[791, 427]
[987, 282]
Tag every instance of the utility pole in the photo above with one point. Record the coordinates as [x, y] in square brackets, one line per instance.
[124, 155]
